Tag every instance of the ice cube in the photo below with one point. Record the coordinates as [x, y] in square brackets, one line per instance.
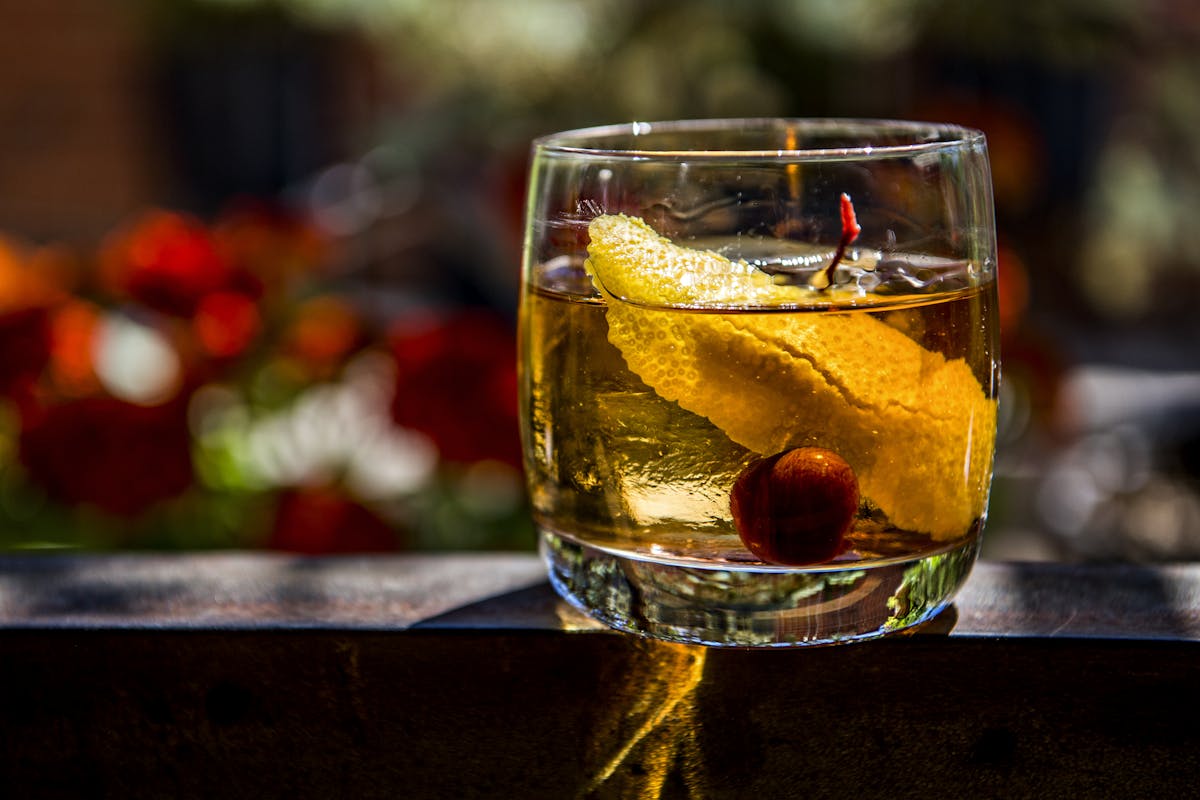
[669, 464]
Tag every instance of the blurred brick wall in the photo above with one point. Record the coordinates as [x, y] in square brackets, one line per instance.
[78, 142]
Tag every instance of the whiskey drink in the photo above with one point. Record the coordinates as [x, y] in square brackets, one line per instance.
[732, 440]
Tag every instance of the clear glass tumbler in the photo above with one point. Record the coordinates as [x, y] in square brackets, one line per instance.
[759, 370]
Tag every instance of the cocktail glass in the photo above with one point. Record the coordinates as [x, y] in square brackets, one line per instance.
[759, 371]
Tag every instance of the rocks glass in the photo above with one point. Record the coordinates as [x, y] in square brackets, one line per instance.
[759, 370]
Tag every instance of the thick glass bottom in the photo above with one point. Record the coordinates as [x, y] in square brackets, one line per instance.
[750, 606]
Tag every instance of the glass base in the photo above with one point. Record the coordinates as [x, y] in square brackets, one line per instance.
[755, 606]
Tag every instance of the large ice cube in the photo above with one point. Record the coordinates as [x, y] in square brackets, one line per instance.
[669, 464]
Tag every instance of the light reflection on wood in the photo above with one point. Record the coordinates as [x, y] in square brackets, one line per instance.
[661, 710]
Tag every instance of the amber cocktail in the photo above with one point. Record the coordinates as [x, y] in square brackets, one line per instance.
[759, 374]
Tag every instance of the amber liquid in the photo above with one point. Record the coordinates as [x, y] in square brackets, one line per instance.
[613, 465]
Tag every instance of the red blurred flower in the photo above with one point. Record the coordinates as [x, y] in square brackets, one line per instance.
[270, 242]
[117, 456]
[167, 262]
[456, 382]
[74, 328]
[315, 520]
[226, 323]
[24, 349]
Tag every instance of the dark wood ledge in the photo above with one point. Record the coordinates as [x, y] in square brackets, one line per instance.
[251, 675]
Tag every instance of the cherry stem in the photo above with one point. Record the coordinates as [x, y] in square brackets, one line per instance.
[850, 232]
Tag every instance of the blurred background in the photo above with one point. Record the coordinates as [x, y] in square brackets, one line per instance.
[258, 258]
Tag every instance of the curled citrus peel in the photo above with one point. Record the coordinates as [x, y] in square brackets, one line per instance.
[917, 429]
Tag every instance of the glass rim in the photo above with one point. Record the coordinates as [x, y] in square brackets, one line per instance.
[938, 136]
